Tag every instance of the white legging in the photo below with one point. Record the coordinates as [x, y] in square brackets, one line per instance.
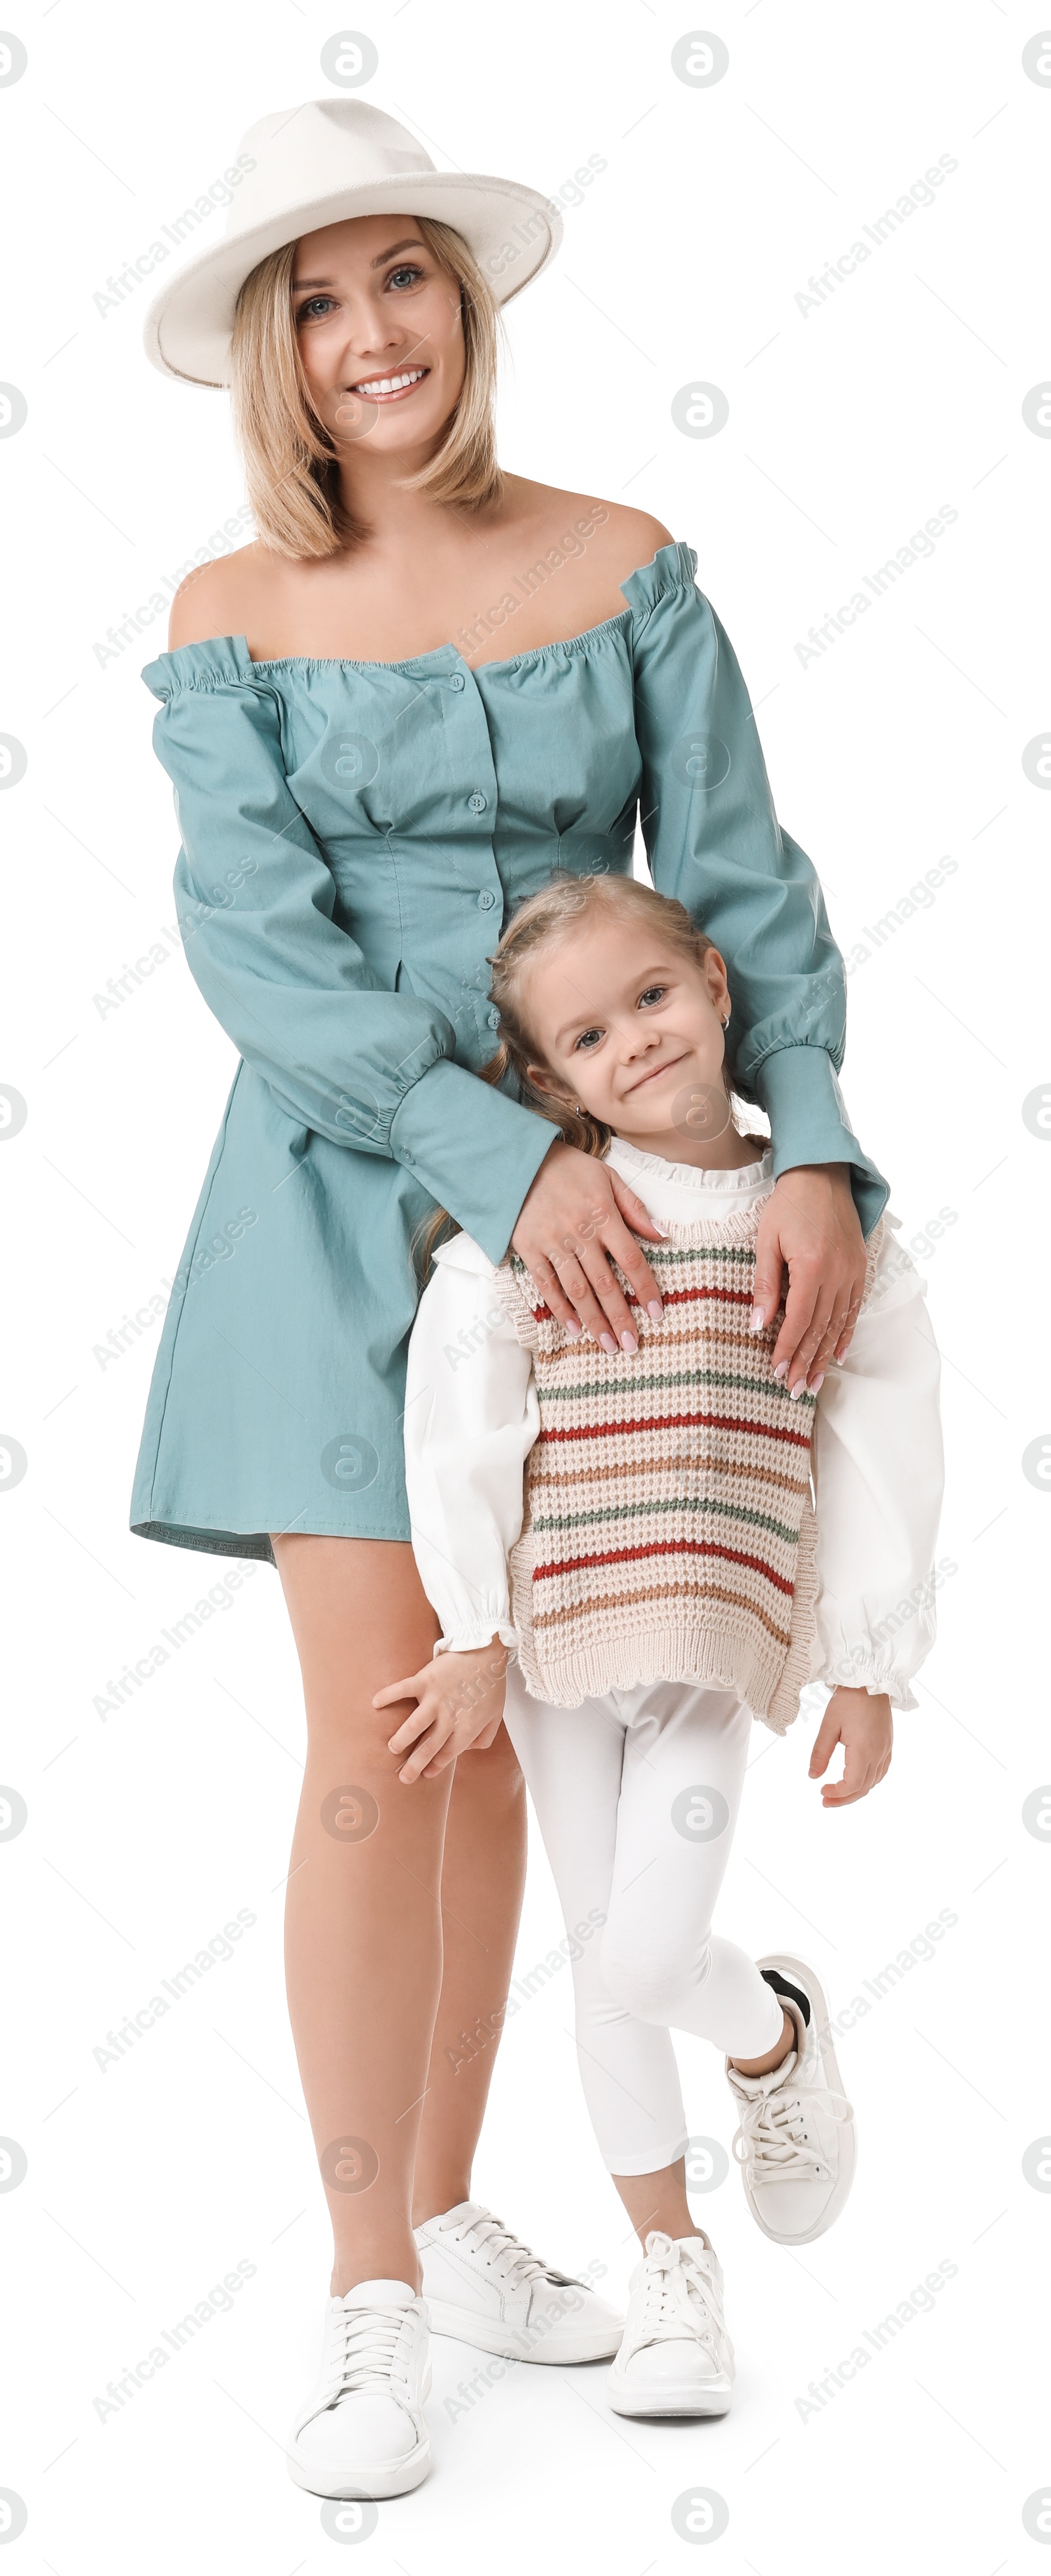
[636, 1795]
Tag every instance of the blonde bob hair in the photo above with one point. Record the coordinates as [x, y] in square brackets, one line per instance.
[291, 461]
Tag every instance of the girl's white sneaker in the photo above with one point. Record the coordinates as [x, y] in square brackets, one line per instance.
[795, 2143]
[363, 2431]
[676, 2357]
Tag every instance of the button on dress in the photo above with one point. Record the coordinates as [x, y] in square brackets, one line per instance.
[354, 837]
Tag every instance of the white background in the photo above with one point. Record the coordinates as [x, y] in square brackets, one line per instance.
[147, 1829]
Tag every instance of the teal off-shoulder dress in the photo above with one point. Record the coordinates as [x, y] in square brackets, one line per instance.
[354, 837]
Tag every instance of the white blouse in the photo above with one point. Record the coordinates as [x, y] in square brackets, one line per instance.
[471, 1417]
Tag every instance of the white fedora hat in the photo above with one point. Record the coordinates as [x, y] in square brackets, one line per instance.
[318, 164]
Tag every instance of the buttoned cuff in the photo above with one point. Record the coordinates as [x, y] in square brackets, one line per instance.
[809, 1124]
[476, 1151]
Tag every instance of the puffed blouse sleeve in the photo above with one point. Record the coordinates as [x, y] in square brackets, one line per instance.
[364, 1067]
[714, 840]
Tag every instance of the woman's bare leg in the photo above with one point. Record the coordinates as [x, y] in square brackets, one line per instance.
[483, 1876]
[363, 1922]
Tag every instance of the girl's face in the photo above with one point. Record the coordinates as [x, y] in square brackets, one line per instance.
[633, 1031]
[370, 307]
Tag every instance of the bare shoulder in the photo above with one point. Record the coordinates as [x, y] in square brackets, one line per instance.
[221, 597]
[629, 538]
[620, 540]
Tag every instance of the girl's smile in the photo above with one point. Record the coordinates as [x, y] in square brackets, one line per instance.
[633, 1024]
[655, 1075]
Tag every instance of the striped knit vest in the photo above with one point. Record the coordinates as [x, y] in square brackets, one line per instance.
[668, 1531]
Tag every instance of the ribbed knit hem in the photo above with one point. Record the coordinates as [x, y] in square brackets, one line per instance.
[693, 1653]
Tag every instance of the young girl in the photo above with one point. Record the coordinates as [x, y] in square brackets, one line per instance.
[662, 1574]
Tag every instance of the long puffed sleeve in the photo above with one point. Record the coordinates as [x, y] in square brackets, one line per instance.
[362, 1066]
[713, 839]
[471, 1417]
[878, 1475]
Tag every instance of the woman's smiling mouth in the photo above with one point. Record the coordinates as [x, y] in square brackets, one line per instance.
[392, 388]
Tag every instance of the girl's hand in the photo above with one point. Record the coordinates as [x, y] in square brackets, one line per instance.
[810, 1225]
[573, 1223]
[459, 1704]
[861, 1722]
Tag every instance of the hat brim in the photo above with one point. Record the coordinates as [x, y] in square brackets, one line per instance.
[512, 231]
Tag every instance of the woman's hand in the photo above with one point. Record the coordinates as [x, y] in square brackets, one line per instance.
[576, 1221]
[459, 1705]
[810, 1225]
[861, 1722]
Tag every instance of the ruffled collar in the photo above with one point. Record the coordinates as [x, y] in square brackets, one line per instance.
[642, 1168]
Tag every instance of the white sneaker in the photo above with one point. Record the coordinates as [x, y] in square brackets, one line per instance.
[482, 2284]
[676, 2357]
[363, 2431]
[795, 2143]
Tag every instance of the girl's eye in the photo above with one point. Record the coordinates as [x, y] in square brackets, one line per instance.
[589, 1037]
[653, 992]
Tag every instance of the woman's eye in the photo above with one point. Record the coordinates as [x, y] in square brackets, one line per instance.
[309, 311]
[405, 270]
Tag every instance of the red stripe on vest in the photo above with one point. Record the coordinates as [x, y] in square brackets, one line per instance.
[672, 1297]
[666, 1547]
[679, 1422]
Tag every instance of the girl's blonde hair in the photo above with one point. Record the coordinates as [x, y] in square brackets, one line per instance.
[291, 461]
[554, 914]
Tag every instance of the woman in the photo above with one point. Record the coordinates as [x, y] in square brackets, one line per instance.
[362, 804]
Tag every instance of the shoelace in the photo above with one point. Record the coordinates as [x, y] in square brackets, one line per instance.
[662, 2321]
[514, 2260]
[772, 2137]
[365, 2342]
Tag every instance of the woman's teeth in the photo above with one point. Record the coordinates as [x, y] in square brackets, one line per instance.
[389, 384]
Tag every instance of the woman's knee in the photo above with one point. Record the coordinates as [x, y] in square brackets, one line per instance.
[491, 1777]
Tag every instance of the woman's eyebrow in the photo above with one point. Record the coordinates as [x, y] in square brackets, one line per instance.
[300, 284]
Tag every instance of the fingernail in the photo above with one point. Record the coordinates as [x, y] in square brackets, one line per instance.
[841, 1363]
[781, 1371]
[817, 1383]
[573, 1329]
[655, 1309]
[628, 1342]
[607, 1341]
[757, 1319]
[797, 1390]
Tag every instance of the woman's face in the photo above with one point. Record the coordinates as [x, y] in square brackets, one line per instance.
[379, 331]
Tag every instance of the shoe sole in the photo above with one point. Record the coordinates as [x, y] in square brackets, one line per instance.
[799, 1973]
[367, 2487]
[678, 2402]
[509, 2345]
